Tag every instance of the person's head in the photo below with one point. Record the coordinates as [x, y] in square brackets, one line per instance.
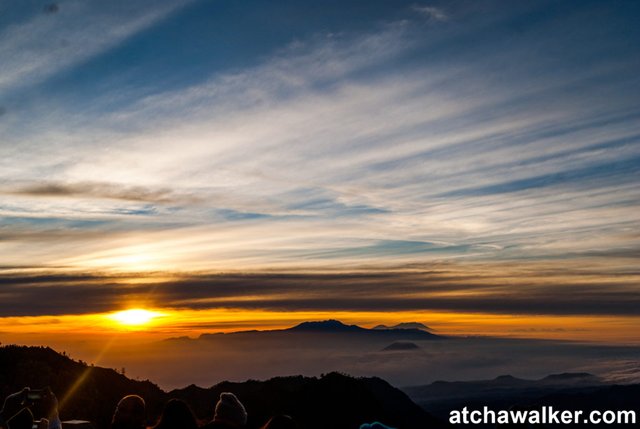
[280, 422]
[177, 415]
[130, 413]
[230, 411]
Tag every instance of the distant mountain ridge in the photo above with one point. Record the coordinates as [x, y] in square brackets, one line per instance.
[308, 348]
[403, 331]
[502, 392]
[326, 326]
[449, 389]
[405, 325]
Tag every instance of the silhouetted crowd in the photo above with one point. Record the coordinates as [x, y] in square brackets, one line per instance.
[19, 409]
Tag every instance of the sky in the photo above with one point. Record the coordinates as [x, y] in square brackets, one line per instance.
[473, 165]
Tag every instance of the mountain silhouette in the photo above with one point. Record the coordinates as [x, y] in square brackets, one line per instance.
[503, 392]
[326, 326]
[335, 328]
[401, 346]
[405, 325]
[503, 384]
[333, 400]
[573, 378]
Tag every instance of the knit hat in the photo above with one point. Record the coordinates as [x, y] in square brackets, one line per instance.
[374, 425]
[230, 410]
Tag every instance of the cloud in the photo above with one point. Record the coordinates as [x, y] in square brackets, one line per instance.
[431, 12]
[515, 289]
[63, 37]
[98, 191]
[402, 144]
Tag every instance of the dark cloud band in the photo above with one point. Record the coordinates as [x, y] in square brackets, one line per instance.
[546, 293]
[99, 190]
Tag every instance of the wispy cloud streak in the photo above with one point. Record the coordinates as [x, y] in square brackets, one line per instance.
[47, 43]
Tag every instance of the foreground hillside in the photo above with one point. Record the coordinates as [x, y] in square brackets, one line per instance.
[93, 392]
[333, 400]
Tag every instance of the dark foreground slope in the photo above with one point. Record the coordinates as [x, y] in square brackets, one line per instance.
[84, 392]
[333, 400]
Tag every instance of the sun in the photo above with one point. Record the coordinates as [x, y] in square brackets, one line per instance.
[134, 317]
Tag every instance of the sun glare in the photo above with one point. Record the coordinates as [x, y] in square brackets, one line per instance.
[134, 317]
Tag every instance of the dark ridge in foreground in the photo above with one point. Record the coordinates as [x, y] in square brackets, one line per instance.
[331, 401]
[94, 399]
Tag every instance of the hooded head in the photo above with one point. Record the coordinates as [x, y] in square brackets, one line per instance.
[177, 414]
[230, 410]
[130, 413]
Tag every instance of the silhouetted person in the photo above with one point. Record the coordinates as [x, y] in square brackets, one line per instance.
[46, 408]
[176, 415]
[19, 408]
[12, 405]
[230, 413]
[280, 422]
[130, 413]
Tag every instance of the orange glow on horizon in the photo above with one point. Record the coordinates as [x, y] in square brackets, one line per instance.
[156, 324]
